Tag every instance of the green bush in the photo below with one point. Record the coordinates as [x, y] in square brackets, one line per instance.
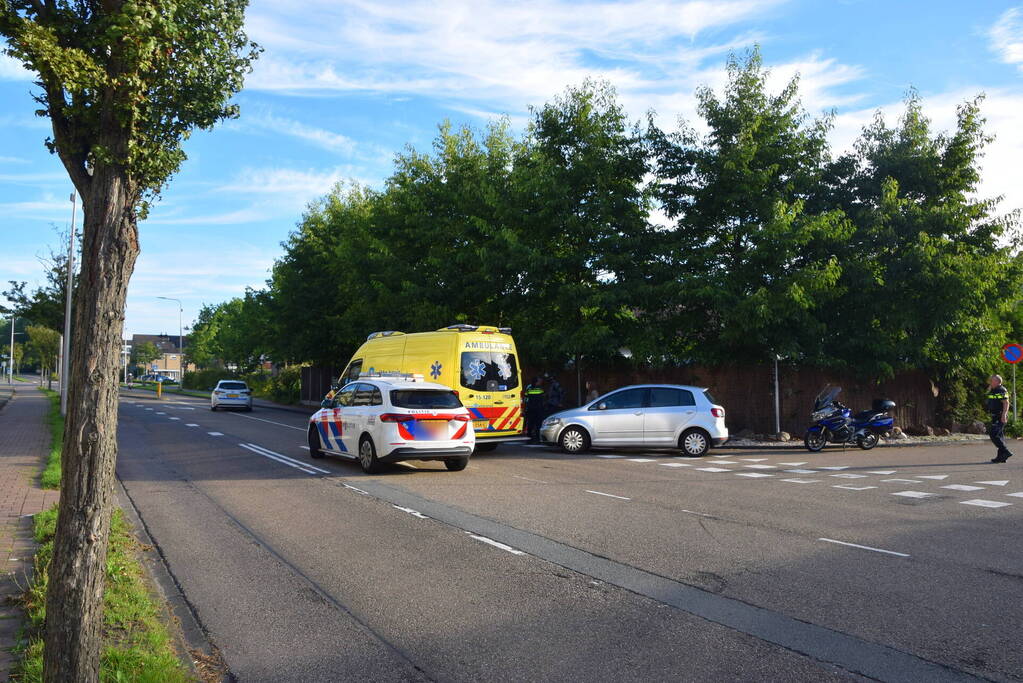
[1014, 428]
[204, 379]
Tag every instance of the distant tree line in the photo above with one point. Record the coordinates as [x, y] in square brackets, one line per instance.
[874, 261]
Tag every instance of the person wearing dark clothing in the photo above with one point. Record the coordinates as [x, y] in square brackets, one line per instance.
[534, 396]
[997, 405]
[555, 396]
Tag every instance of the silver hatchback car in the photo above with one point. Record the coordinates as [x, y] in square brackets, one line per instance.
[644, 415]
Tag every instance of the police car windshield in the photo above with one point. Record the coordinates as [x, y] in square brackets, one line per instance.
[489, 371]
[424, 398]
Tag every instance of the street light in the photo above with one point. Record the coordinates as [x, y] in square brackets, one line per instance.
[181, 344]
[65, 365]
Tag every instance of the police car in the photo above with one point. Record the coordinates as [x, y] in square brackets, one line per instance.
[382, 419]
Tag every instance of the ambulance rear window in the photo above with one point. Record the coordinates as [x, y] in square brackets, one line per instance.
[489, 371]
[424, 398]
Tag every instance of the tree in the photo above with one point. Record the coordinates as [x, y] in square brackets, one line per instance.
[45, 305]
[123, 83]
[45, 344]
[145, 353]
[751, 266]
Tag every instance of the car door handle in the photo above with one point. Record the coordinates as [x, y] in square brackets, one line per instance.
[639, 413]
[690, 412]
[498, 403]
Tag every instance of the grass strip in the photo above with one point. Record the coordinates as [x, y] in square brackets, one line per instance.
[136, 644]
[50, 478]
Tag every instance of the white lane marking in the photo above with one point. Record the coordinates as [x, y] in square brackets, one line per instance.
[535, 445]
[496, 544]
[903, 481]
[984, 503]
[610, 457]
[761, 467]
[305, 465]
[304, 448]
[1003, 482]
[215, 433]
[270, 457]
[641, 459]
[932, 476]
[535, 481]
[356, 489]
[803, 481]
[148, 408]
[191, 424]
[963, 487]
[793, 464]
[174, 418]
[848, 475]
[852, 488]
[279, 424]
[755, 475]
[838, 467]
[754, 459]
[609, 495]
[713, 469]
[1015, 495]
[159, 413]
[701, 514]
[914, 494]
[802, 471]
[721, 462]
[414, 513]
[880, 471]
[863, 547]
[675, 464]
[139, 405]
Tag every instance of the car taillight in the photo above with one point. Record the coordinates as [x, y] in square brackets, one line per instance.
[717, 412]
[396, 417]
[461, 418]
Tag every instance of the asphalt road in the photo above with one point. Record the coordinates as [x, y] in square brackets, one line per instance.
[894, 564]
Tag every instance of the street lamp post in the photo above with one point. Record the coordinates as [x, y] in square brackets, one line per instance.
[181, 343]
[65, 365]
[10, 366]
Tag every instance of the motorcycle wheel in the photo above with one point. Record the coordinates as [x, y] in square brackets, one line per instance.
[867, 442]
[815, 441]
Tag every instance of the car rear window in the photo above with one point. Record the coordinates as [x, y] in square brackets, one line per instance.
[662, 397]
[233, 385]
[424, 398]
[706, 392]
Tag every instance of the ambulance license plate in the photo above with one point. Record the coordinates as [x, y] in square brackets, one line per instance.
[480, 424]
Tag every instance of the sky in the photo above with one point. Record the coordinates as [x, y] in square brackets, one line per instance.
[344, 85]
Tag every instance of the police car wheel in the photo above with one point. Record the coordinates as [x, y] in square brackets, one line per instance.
[314, 443]
[574, 440]
[456, 464]
[368, 456]
[213, 407]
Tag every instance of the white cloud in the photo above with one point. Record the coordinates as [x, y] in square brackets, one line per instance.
[1007, 37]
[318, 137]
[12, 70]
[303, 185]
[13, 160]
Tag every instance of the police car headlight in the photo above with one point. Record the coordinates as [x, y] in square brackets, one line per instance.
[551, 421]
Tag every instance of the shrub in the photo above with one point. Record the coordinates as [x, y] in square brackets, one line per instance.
[204, 379]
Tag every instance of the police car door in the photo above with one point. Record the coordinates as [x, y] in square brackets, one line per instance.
[355, 416]
[342, 402]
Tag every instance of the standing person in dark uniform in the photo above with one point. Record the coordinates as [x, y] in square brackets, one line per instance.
[997, 404]
[534, 408]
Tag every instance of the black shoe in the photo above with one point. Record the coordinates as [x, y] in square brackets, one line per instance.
[1001, 459]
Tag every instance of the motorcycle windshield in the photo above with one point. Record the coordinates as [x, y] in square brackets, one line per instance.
[826, 397]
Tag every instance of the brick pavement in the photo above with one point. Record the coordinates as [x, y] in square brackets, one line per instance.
[24, 445]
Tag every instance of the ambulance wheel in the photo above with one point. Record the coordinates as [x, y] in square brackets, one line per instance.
[368, 456]
[574, 440]
[456, 464]
[314, 443]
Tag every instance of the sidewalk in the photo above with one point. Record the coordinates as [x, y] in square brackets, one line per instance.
[24, 445]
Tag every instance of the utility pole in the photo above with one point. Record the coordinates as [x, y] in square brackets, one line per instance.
[65, 347]
[10, 365]
[777, 403]
[181, 343]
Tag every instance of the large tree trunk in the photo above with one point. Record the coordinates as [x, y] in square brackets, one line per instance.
[74, 600]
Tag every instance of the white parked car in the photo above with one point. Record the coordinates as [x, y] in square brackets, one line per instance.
[391, 419]
[231, 393]
[646, 415]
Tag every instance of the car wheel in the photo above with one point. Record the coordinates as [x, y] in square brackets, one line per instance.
[248, 409]
[574, 440]
[314, 443]
[694, 442]
[368, 456]
[456, 464]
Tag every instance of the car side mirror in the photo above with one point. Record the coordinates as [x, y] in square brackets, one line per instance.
[334, 386]
[327, 403]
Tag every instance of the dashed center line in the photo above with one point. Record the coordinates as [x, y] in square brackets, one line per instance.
[609, 495]
[496, 544]
[535, 481]
[984, 503]
[914, 494]
[864, 547]
[414, 513]
[215, 433]
[191, 424]
[279, 424]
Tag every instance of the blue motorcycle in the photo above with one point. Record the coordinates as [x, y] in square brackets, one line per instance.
[835, 423]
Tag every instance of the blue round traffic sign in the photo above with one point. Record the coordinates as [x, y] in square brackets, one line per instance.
[1012, 353]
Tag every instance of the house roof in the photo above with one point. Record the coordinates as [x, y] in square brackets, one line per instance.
[165, 343]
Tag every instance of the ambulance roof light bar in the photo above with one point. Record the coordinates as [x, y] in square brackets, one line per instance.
[385, 333]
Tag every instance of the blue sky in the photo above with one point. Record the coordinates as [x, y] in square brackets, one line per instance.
[344, 85]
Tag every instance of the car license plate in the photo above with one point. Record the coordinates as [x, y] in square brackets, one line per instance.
[232, 395]
[480, 424]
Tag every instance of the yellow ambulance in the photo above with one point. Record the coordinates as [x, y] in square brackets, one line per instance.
[478, 362]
